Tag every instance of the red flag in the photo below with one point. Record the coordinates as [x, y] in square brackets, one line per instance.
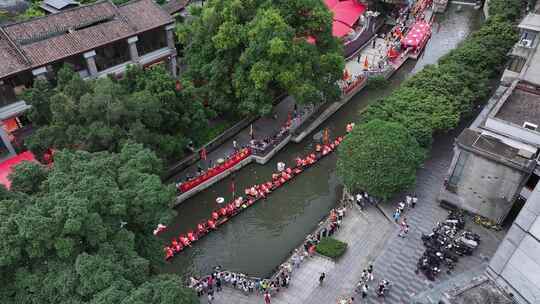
[203, 153]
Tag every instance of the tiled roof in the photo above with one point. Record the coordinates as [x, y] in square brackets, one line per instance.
[174, 6]
[144, 14]
[10, 59]
[74, 31]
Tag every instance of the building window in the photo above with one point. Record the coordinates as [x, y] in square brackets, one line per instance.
[516, 63]
[7, 95]
[151, 41]
[454, 179]
[112, 55]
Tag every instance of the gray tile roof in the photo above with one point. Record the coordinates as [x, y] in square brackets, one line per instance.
[34, 43]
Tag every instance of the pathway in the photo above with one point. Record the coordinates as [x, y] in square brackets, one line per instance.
[397, 261]
[262, 127]
[365, 232]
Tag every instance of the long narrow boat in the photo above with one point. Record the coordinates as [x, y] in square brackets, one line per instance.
[254, 194]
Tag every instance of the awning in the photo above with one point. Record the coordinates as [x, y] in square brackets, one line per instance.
[7, 166]
[13, 110]
[417, 34]
[348, 12]
[340, 29]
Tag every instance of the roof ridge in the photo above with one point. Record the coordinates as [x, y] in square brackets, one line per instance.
[19, 51]
[58, 13]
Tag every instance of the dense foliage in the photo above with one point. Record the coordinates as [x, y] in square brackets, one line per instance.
[509, 9]
[84, 234]
[242, 54]
[98, 115]
[374, 149]
[431, 101]
[331, 247]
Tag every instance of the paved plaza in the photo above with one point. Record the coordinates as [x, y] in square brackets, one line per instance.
[365, 233]
[373, 238]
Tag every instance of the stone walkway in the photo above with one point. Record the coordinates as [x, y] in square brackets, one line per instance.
[397, 261]
[365, 232]
[262, 127]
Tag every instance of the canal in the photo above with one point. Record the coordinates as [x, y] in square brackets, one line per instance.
[259, 239]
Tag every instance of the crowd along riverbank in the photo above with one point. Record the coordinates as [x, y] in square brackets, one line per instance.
[265, 234]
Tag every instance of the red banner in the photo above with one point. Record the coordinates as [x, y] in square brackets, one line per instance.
[231, 162]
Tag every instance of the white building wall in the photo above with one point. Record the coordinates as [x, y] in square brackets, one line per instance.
[516, 264]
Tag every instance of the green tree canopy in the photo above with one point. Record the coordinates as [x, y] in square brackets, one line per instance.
[27, 177]
[242, 54]
[379, 157]
[100, 115]
[77, 239]
[383, 160]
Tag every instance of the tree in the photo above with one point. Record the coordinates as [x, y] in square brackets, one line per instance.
[508, 9]
[379, 157]
[100, 115]
[77, 239]
[241, 55]
[27, 177]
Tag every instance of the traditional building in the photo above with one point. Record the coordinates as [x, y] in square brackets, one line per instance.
[98, 39]
[495, 165]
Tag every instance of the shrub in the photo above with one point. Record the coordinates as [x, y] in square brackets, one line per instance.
[377, 83]
[331, 247]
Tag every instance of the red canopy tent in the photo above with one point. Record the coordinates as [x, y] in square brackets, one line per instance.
[340, 29]
[330, 3]
[418, 33]
[7, 166]
[348, 12]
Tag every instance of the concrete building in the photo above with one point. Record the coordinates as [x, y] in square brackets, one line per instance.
[98, 39]
[495, 165]
[516, 264]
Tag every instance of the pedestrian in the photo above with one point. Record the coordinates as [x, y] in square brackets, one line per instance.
[396, 215]
[218, 284]
[370, 272]
[359, 200]
[358, 59]
[374, 42]
[408, 201]
[210, 298]
[235, 145]
[364, 291]
[267, 297]
[321, 278]
[414, 200]
[364, 276]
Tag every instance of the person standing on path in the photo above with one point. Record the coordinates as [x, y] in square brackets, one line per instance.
[408, 201]
[414, 200]
[370, 272]
[321, 278]
[403, 228]
[364, 291]
[218, 284]
[267, 297]
[210, 297]
[235, 145]
[396, 215]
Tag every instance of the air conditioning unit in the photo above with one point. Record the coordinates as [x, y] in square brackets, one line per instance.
[526, 43]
